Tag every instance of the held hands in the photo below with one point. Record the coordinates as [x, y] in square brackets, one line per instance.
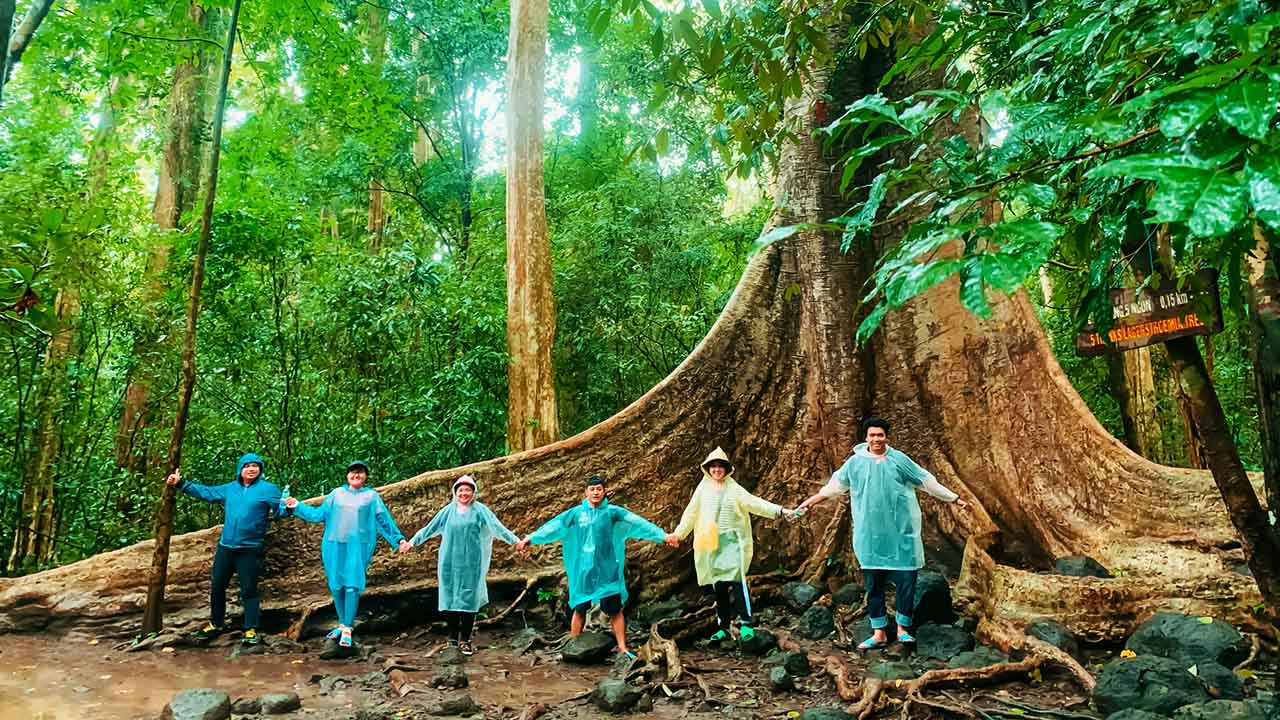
[522, 545]
[175, 477]
[291, 502]
[960, 503]
[404, 547]
[672, 539]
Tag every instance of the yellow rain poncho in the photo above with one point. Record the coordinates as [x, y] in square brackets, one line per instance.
[719, 516]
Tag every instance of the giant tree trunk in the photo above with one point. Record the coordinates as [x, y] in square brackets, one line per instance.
[36, 531]
[779, 383]
[1264, 324]
[532, 420]
[153, 612]
[175, 196]
[1133, 386]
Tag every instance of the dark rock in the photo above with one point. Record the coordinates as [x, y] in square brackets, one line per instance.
[942, 641]
[780, 679]
[457, 703]
[1080, 566]
[524, 639]
[849, 594]
[279, 703]
[799, 595]
[933, 600]
[1189, 640]
[615, 696]
[816, 623]
[892, 671]
[967, 624]
[762, 644]
[1132, 714]
[1219, 682]
[1152, 683]
[1056, 634]
[980, 657]
[825, 713]
[333, 683]
[450, 656]
[645, 704]
[451, 677]
[1222, 710]
[333, 651]
[588, 648]
[796, 663]
[198, 704]
[243, 650]
[663, 610]
[246, 706]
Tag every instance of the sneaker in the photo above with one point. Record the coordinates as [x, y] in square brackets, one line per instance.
[251, 637]
[746, 633]
[334, 634]
[210, 631]
[465, 647]
[344, 639]
[720, 635]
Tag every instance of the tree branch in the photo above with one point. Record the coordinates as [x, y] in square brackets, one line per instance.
[172, 40]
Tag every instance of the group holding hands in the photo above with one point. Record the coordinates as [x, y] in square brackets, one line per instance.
[880, 480]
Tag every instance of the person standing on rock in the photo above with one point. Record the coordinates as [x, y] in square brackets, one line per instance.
[248, 503]
[467, 528]
[882, 483]
[719, 516]
[353, 516]
[593, 539]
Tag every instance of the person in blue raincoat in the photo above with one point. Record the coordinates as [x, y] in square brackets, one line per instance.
[467, 528]
[593, 537]
[249, 503]
[882, 483]
[353, 516]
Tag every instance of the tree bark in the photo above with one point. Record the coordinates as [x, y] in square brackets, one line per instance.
[153, 616]
[778, 382]
[21, 36]
[1133, 386]
[35, 538]
[176, 191]
[531, 312]
[1264, 324]
[7, 10]
[377, 47]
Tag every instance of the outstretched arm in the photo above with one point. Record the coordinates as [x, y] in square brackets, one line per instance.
[208, 493]
[309, 513]
[499, 530]
[685, 526]
[837, 485]
[634, 526]
[551, 531]
[387, 526]
[432, 528]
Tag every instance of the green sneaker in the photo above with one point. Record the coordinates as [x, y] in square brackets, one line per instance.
[720, 635]
[746, 633]
[209, 632]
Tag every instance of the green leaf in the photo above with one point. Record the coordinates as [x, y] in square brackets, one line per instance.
[1249, 105]
[661, 141]
[1205, 620]
[1185, 116]
[713, 8]
[1262, 174]
[1148, 166]
[52, 219]
[776, 234]
[869, 324]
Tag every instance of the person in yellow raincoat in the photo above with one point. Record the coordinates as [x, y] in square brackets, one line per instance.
[719, 516]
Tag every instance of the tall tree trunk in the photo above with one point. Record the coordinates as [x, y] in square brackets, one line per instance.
[588, 90]
[377, 46]
[1264, 323]
[1133, 386]
[176, 193]
[20, 38]
[34, 541]
[7, 11]
[531, 311]
[153, 616]
[778, 382]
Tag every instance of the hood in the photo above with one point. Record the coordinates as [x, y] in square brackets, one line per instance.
[717, 454]
[251, 458]
[466, 480]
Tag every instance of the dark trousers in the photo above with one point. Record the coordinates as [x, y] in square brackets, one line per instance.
[905, 597]
[731, 599]
[245, 564]
[461, 624]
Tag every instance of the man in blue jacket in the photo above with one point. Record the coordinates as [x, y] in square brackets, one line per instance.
[249, 503]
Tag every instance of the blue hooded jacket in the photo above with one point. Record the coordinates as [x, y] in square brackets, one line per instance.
[247, 509]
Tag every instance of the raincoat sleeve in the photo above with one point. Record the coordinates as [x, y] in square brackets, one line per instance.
[498, 530]
[908, 471]
[313, 513]
[433, 528]
[553, 530]
[839, 482]
[386, 525]
[632, 525]
[760, 506]
[690, 515]
[208, 493]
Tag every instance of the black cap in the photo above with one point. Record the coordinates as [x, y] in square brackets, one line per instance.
[358, 464]
[595, 480]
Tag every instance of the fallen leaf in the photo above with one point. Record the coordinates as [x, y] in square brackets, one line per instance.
[1245, 674]
[1127, 653]
[296, 662]
[167, 650]
[1206, 620]
[93, 641]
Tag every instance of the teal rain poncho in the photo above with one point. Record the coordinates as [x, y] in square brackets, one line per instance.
[594, 547]
[468, 532]
[886, 514]
[353, 520]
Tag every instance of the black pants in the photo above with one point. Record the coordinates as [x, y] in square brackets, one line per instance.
[731, 599]
[461, 624]
[905, 598]
[247, 565]
[610, 605]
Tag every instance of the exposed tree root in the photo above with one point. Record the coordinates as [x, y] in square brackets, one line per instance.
[1008, 639]
[529, 584]
[537, 710]
[1254, 646]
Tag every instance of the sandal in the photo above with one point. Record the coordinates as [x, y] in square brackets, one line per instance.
[871, 644]
[906, 638]
[745, 633]
[720, 635]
